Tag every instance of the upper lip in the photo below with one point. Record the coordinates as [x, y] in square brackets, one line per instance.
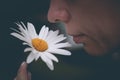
[77, 35]
[78, 38]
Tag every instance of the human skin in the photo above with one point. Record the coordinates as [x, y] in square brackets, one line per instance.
[95, 23]
[23, 73]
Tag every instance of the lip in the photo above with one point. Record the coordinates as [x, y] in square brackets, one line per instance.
[78, 38]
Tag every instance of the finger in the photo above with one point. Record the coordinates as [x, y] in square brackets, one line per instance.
[22, 72]
[15, 79]
[29, 75]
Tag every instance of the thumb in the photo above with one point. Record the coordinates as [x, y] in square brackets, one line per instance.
[22, 72]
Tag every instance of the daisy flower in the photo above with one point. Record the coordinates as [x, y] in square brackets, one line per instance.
[43, 45]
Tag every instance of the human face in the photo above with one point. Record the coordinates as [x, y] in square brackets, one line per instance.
[95, 23]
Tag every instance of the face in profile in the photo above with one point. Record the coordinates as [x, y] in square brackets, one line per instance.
[95, 23]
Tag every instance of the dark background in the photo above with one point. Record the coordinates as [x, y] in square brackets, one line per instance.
[79, 66]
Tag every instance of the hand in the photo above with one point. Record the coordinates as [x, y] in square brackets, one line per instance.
[23, 74]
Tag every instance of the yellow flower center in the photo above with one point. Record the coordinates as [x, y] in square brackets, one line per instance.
[39, 44]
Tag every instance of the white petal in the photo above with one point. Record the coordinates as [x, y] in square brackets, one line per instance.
[37, 56]
[51, 67]
[57, 40]
[18, 36]
[30, 58]
[47, 61]
[45, 33]
[41, 33]
[59, 51]
[31, 30]
[24, 43]
[16, 30]
[28, 44]
[61, 45]
[24, 31]
[29, 33]
[49, 35]
[51, 56]
[27, 49]
[52, 35]
[56, 32]
[23, 34]
[21, 26]
[44, 58]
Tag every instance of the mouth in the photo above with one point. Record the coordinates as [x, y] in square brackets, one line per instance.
[78, 38]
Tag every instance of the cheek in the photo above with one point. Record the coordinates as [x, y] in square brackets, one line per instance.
[105, 39]
[98, 26]
[98, 40]
[94, 48]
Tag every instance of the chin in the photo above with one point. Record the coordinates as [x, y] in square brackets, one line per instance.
[96, 51]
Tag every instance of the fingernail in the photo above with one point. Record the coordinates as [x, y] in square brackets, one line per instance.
[29, 75]
[22, 66]
[23, 63]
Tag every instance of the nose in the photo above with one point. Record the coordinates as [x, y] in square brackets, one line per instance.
[58, 13]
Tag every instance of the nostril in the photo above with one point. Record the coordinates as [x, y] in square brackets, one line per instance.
[58, 15]
[57, 20]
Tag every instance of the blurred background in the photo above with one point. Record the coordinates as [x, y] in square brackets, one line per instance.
[79, 66]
